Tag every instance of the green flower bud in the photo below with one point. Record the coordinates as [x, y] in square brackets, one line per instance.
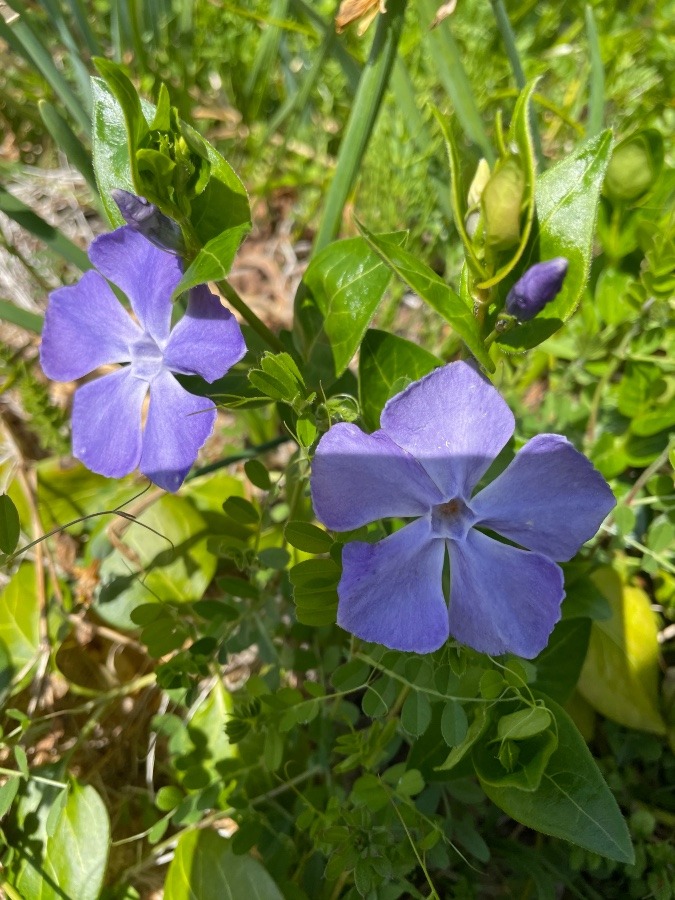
[480, 179]
[501, 201]
[634, 167]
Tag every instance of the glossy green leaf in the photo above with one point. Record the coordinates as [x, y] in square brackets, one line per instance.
[171, 562]
[572, 801]
[518, 764]
[566, 200]
[621, 674]
[416, 713]
[20, 617]
[10, 527]
[307, 537]
[69, 852]
[387, 364]
[434, 291]
[205, 868]
[343, 286]
[559, 664]
[112, 165]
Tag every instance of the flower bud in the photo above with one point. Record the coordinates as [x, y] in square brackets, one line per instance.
[634, 167]
[146, 219]
[537, 287]
[501, 201]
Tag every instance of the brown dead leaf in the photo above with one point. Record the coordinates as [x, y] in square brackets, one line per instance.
[447, 9]
[351, 10]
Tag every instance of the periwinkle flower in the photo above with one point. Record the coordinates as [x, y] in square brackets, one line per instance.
[87, 327]
[538, 286]
[437, 439]
[145, 218]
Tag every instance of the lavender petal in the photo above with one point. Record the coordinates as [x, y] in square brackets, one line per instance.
[502, 599]
[550, 498]
[207, 341]
[454, 422]
[391, 593]
[144, 273]
[107, 423]
[178, 425]
[358, 478]
[85, 327]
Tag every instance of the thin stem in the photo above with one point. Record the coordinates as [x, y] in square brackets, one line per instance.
[509, 41]
[249, 316]
[238, 457]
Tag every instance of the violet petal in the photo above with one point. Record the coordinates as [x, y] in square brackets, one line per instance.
[454, 422]
[178, 424]
[207, 341]
[85, 327]
[390, 592]
[107, 423]
[144, 273]
[358, 478]
[550, 498]
[502, 599]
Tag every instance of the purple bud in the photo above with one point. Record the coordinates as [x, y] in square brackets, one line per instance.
[146, 219]
[538, 286]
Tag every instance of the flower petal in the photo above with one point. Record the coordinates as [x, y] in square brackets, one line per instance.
[178, 425]
[85, 327]
[146, 274]
[207, 341]
[107, 423]
[550, 498]
[358, 478]
[502, 599]
[391, 592]
[454, 422]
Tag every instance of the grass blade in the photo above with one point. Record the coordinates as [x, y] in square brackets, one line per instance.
[23, 215]
[373, 83]
[22, 317]
[66, 139]
[452, 75]
[596, 100]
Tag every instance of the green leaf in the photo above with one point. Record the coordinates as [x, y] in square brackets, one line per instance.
[475, 730]
[559, 664]
[68, 856]
[308, 538]
[214, 261]
[572, 801]
[566, 200]
[112, 164]
[388, 363]
[621, 674]
[434, 291]
[241, 510]
[10, 527]
[524, 723]
[171, 562]
[205, 868]
[20, 617]
[454, 723]
[343, 285]
[416, 713]
[351, 675]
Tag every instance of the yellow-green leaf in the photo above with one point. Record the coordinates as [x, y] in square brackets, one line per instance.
[620, 675]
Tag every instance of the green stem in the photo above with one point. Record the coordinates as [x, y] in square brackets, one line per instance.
[249, 316]
[596, 99]
[372, 85]
[509, 41]
[251, 453]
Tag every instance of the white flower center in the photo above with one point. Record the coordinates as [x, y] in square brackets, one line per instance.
[452, 519]
[147, 360]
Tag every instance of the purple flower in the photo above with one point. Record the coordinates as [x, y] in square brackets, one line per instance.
[438, 438]
[537, 287]
[86, 327]
[146, 219]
